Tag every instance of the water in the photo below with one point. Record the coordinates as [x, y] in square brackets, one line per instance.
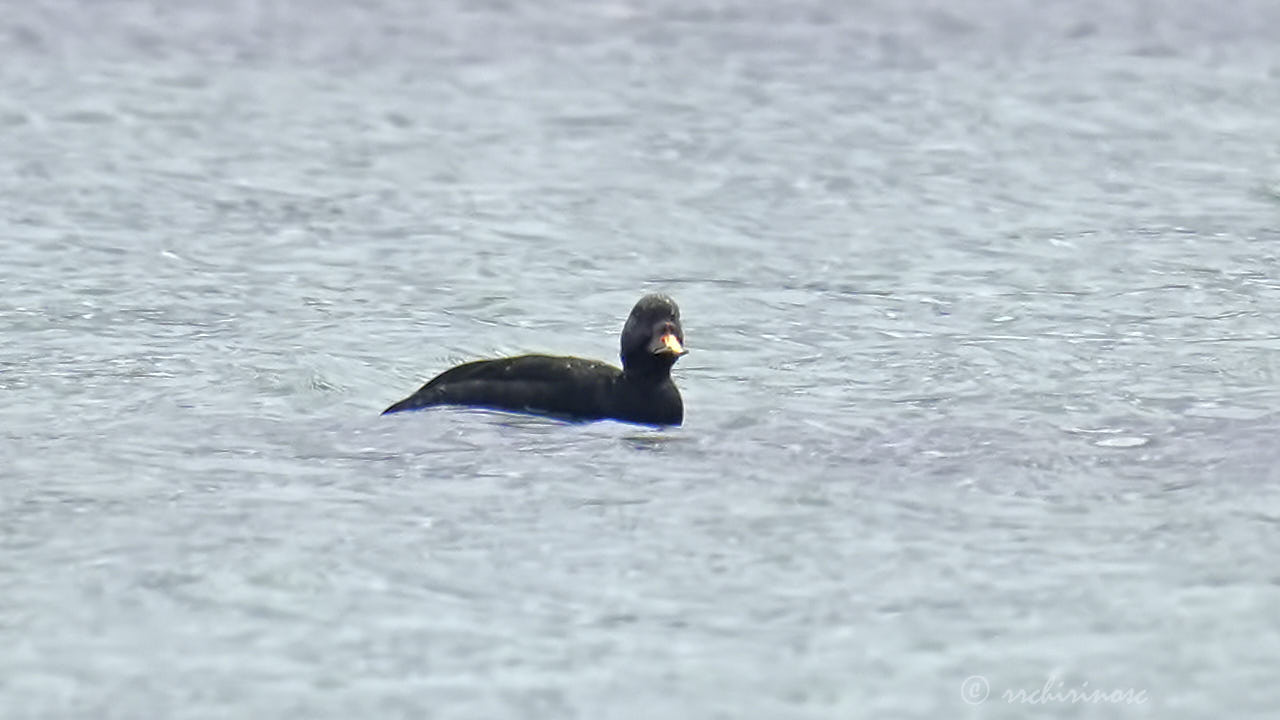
[980, 298]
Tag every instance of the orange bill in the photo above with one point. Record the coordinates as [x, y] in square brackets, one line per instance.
[671, 344]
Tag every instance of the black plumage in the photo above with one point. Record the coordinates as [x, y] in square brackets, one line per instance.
[641, 391]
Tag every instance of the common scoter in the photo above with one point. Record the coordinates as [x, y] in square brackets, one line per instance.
[574, 388]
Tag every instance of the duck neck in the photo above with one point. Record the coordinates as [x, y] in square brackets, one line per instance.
[650, 373]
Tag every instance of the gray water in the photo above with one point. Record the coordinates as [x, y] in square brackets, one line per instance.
[981, 299]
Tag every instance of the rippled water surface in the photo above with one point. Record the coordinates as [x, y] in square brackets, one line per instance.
[981, 298]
